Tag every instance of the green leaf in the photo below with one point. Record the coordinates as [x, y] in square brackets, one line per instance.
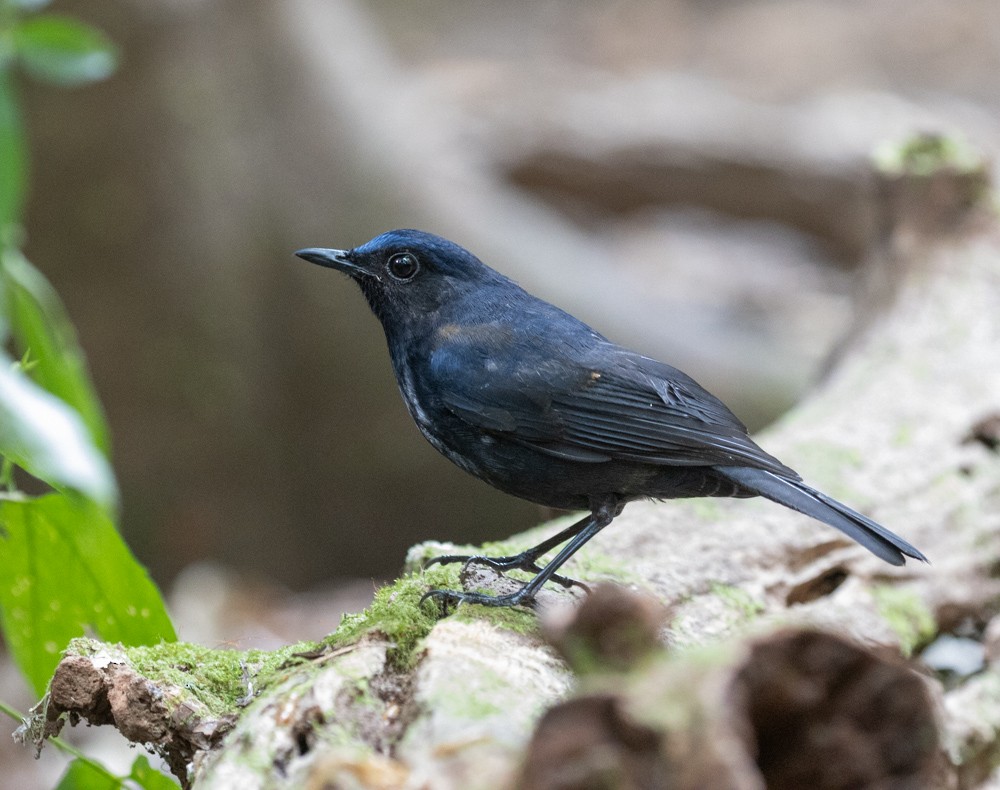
[42, 328]
[87, 775]
[13, 158]
[64, 51]
[47, 439]
[148, 777]
[65, 572]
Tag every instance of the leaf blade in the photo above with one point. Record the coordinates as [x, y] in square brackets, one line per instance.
[64, 51]
[148, 778]
[65, 571]
[83, 774]
[41, 326]
[47, 439]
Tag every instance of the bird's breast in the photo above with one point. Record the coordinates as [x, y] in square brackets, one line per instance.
[435, 424]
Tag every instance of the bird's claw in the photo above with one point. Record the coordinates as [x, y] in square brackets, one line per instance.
[447, 559]
[520, 562]
[448, 598]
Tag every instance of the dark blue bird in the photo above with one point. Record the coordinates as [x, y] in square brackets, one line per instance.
[536, 403]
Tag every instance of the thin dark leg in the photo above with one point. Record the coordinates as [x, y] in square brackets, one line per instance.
[603, 514]
[525, 561]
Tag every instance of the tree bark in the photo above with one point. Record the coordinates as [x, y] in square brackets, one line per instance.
[805, 628]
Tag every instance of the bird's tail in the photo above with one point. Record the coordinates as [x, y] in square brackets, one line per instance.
[798, 496]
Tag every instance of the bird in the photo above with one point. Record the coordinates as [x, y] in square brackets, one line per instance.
[535, 402]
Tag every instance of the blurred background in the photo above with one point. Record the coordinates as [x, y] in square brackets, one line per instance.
[689, 177]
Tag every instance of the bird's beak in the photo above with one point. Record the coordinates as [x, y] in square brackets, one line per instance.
[332, 259]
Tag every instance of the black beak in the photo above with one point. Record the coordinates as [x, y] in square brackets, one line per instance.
[332, 259]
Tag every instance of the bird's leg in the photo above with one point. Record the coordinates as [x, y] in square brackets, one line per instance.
[604, 512]
[525, 561]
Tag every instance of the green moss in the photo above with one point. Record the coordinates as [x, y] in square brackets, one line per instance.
[520, 621]
[217, 678]
[926, 154]
[744, 605]
[221, 679]
[396, 613]
[907, 615]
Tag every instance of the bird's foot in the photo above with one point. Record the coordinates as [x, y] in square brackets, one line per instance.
[452, 598]
[525, 561]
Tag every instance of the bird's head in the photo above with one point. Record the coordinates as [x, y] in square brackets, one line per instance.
[408, 274]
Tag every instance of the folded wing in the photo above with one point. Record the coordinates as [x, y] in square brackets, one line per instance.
[632, 408]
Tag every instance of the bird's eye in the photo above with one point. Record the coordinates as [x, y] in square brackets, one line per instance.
[404, 265]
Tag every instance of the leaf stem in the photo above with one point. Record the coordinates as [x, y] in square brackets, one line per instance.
[7, 475]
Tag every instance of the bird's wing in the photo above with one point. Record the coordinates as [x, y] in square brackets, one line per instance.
[566, 403]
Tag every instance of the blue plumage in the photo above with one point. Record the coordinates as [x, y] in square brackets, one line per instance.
[540, 405]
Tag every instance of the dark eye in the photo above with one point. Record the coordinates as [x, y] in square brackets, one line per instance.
[404, 265]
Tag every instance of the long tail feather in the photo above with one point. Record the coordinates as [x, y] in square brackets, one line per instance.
[798, 496]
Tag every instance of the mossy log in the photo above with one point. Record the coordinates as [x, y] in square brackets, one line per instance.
[767, 618]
